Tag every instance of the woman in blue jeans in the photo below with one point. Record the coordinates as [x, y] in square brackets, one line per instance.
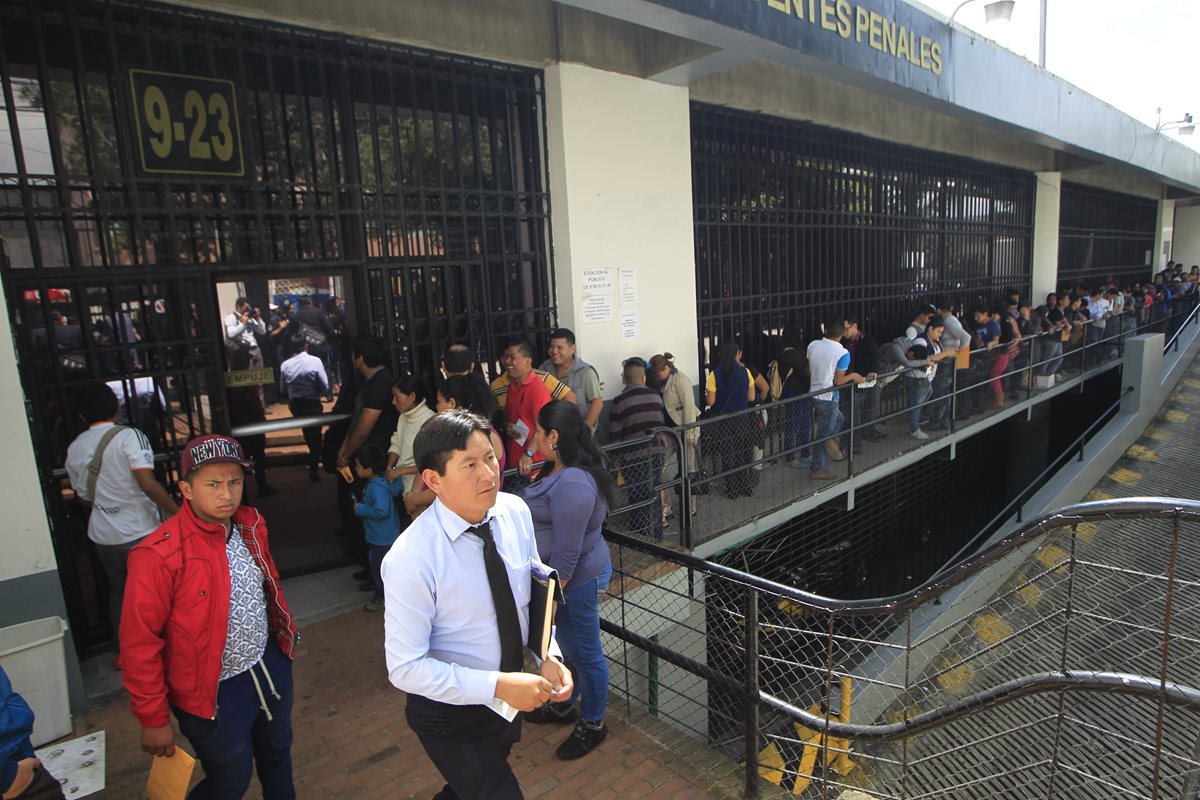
[569, 501]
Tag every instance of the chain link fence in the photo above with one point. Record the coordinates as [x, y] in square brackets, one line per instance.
[1060, 662]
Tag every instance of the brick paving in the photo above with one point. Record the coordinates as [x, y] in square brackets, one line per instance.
[351, 740]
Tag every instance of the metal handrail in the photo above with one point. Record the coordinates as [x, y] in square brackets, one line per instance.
[287, 424]
[1018, 502]
[820, 718]
[1173, 341]
[946, 579]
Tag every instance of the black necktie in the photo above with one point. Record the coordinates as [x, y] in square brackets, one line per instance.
[512, 658]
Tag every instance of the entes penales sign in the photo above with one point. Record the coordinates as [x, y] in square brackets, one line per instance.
[889, 39]
[865, 26]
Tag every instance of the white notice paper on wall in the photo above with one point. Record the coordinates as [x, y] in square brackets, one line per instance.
[630, 328]
[629, 289]
[598, 308]
[597, 281]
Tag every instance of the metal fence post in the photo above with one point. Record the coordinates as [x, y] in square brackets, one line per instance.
[751, 721]
[850, 456]
[954, 395]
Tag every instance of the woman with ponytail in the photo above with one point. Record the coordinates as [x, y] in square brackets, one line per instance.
[569, 501]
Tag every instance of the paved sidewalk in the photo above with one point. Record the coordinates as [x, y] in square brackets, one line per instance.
[352, 741]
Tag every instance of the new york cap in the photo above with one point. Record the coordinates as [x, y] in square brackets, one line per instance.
[211, 449]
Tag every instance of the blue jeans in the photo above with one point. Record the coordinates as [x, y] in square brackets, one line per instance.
[796, 424]
[240, 738]
[917, 390]
[829, 423]
[577, 629]
[375, 554]
[943, 385]
[1052, 356]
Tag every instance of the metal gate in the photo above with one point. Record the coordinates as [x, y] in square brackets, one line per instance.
[795, 222]
[1104, 233]
[150, 151]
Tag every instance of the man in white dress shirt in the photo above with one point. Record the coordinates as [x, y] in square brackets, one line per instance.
[454, 627]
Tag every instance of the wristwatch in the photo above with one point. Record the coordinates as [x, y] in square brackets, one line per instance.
[529, 452]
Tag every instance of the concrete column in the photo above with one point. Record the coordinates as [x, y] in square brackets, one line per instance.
[30, 586]
[619, 152]
[1047, 206]
[1143, 371]
[1164, 233]
[1186, 245]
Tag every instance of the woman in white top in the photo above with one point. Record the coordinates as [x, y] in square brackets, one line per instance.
[409, 398]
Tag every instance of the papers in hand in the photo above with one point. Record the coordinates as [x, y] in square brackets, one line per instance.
[867, 384]
[169, 777]
[503, 709]
[519, 431]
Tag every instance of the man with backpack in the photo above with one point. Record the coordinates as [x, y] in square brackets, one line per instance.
[111, 469]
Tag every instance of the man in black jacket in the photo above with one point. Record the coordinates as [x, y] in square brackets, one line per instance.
[864, 359]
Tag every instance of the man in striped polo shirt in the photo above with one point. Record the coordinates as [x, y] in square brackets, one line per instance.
[635, 412]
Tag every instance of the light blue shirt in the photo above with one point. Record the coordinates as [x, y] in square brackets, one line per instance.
[441, 638]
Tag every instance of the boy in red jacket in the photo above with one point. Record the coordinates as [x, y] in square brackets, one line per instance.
[206, 634]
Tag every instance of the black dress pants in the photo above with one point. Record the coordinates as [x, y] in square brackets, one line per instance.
[469, 745]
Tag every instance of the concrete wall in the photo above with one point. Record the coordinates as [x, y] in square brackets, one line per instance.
[793, 94]
[619, 152]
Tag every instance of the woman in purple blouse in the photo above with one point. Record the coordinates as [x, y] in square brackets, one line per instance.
[569, 501]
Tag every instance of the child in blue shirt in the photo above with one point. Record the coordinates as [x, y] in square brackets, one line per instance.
[381, 519]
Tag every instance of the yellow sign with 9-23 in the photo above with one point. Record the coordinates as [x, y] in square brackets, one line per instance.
[186, 124]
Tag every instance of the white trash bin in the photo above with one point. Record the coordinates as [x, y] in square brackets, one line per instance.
[34, 656]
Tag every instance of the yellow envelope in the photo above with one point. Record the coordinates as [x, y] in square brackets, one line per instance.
[169, 777]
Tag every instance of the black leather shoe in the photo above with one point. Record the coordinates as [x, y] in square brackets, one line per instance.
[583, 740]
[552, 713]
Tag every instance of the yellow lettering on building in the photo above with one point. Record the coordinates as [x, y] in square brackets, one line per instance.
[876, 31]
[786, 7]
[868, 27]
[902, 45]
[828, 13]
[843, 18]
[889, 36]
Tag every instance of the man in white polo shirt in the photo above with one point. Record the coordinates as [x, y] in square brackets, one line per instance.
[828, 363]
[123, 493]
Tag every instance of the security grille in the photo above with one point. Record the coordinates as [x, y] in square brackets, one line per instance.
[1104, 233]
[795, 222]
[148, 152]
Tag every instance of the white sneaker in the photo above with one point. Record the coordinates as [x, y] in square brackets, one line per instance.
[919, 434]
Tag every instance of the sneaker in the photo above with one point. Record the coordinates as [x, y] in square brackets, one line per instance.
[374, 604]
[833, 451]
[313, 476]
[919, 434]
[552, 713]
[582, 740]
